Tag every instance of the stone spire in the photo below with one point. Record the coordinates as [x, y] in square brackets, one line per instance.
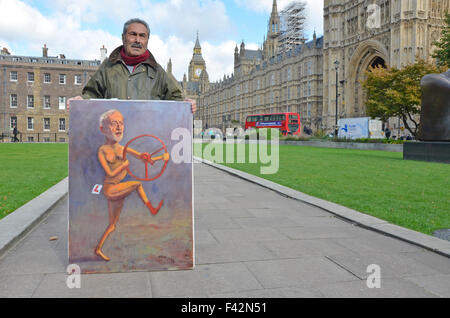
[273, 32]
[274, 18]
[197, 43]
[169, 66]
[242, 51]
[274, 8]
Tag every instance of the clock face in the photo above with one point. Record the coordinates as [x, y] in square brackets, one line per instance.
[198, 72]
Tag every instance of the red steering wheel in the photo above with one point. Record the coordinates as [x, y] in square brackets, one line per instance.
[149, 159]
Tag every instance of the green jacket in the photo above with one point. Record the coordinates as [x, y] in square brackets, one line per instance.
[148, 82]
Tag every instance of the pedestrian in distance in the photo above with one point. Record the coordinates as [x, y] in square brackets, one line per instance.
[15, 133]
[387, 133]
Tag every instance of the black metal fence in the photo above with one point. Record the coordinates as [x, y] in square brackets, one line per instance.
[34, 137]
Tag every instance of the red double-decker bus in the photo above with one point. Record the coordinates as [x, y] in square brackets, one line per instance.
[287, 123]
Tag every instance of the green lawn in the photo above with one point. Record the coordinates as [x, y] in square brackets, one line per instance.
[27, 170]
[411, 194]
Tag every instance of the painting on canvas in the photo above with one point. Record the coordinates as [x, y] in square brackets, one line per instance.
[130, 186]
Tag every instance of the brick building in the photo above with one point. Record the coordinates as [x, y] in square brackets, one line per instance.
[33, 94]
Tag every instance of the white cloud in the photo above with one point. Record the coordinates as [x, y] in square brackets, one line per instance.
[63, 33]
[186, 17]
[17, 18]
[21, 25]
[89, 11]
[183, 18]
[263, 5]
[69, 29]
[219, 59]
[26, 29]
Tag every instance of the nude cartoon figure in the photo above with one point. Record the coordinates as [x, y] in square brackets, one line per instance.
[110, 156]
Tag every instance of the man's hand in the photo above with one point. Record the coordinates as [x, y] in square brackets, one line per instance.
[71, 99]
[146, 158]
[193, 104]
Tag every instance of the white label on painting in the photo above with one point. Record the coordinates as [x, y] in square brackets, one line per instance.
[97, 189]
[74, 278]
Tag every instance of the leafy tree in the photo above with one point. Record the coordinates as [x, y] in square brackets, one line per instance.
[443, 53]
[397, 92]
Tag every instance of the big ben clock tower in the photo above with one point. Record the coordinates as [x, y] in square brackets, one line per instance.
[197, 65]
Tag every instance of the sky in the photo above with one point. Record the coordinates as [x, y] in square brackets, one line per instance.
[78, 29]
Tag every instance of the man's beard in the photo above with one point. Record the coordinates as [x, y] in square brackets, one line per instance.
[115, 137]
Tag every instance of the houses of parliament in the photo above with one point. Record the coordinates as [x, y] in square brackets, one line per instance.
[357, 34]
[312, 77]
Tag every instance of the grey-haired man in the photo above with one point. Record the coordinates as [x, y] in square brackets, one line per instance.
[132, 73]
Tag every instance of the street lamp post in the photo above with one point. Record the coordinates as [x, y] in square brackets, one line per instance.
[336, 63]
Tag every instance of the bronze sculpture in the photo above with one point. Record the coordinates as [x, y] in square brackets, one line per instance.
[435, 112]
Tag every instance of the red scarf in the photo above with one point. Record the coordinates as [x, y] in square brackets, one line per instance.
[134, 60]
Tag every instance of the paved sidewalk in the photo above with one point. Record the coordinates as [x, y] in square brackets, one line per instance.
[250, 242]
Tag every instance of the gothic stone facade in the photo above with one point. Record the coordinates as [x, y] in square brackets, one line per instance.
[359, 35]
[285, 83]
[34, 92]
[356, 34]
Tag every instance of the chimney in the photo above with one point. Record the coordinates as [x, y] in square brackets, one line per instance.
[5, 51]
[45, 51]
[103, 52]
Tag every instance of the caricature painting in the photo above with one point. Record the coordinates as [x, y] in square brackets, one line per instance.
[130, 186]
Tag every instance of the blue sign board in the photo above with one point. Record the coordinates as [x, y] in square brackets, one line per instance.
[354, 128]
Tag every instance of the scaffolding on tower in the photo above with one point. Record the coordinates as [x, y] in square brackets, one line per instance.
[293, 20]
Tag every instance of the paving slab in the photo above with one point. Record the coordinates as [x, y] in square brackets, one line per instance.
[321, 232]
[249, 242]
[274, 293]
[204, 280]
[375, 243]
[276, 222]
[298, 272]
[302, 210]
[431, 243]
[437, 284]
[204, 237]
[232, 252]
[215, 220]
[36, 261]
[119, 285]
[19, 286]
[434, 261]
[391, 265]
[248, 235]
[436, 244]
[305, 248]
[222, 211]
[390, 288]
